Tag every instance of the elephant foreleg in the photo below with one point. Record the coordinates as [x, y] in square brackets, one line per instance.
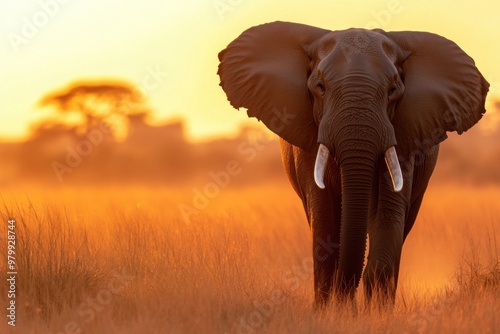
[326, 254]
[382, 269]
[386, 237]
[325, 223]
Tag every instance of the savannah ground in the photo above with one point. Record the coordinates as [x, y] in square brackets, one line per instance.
[124, 260]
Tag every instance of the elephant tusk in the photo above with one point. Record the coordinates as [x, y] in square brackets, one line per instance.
[320, 165]
[391, 159]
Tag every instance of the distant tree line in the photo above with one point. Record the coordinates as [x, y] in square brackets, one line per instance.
[100, 132]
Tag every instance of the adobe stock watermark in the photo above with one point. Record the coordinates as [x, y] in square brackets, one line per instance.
[494, 84]
[381, 18]
[247, 152]
[152, 80]
[292, 280]
[225, 7]
[31, 26]
[428, 147]
[263, 310]
[74, 155]
[421, 320]
[89, 309]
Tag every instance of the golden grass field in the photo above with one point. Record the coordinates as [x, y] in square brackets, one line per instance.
[123, 260]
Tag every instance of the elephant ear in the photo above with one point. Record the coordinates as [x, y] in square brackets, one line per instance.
[265, 70]
[444, 91]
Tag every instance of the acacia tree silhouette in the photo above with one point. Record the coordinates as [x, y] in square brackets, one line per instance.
[112, 102]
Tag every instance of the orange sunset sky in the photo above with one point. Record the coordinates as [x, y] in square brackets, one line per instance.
[170, 47]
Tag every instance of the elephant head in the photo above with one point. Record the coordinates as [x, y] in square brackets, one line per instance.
[353, 97]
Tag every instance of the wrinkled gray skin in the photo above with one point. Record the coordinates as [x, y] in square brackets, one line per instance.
[358, 93]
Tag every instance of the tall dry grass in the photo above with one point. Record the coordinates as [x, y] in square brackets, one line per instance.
[125, 261]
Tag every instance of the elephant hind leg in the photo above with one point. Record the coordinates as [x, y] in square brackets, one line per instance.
[412, 215]
[421, 178]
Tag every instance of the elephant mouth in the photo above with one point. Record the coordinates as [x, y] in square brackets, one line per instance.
[391, 160]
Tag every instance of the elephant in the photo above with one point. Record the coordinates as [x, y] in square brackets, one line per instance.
[360, 115]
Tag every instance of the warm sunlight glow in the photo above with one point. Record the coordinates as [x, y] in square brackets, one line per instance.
[169, 49]
[135, 199]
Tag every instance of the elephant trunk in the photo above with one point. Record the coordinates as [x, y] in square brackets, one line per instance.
[357, 172]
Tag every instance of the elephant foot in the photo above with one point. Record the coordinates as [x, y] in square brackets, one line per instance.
[322, 297]
[380, 287]
[342, 300]
[379, 298]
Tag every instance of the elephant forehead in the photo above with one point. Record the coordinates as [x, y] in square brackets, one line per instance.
[354, 41]
[361, 41]
[356, 49]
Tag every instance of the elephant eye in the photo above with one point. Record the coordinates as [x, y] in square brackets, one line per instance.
[321, 88]
[391, 91]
